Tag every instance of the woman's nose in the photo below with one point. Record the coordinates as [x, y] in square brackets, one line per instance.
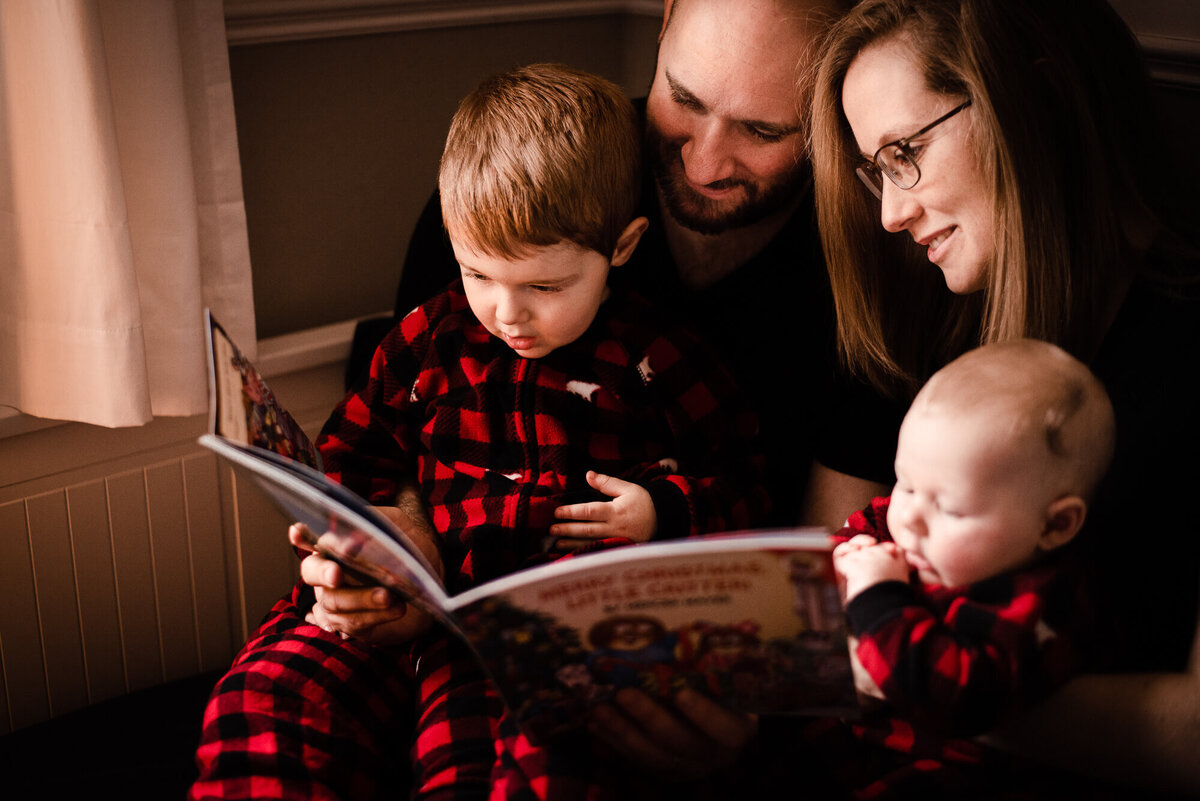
[898, 207]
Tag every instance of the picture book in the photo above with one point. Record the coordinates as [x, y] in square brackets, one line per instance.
[751, 619]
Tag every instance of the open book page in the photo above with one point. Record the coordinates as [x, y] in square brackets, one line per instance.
[753, 621]
[340, 525]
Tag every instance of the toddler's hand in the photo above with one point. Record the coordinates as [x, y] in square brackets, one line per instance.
[629, 514]
[863, 562]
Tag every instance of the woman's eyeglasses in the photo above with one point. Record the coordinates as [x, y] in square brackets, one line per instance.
[898, 161]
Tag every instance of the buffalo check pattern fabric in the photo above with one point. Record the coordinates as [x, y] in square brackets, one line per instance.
[304, 714]
[497, 441]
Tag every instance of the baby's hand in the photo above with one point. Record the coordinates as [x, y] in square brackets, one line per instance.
[863, 562]
[629, 514]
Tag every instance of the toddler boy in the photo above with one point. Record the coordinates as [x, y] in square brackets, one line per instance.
[527, 385]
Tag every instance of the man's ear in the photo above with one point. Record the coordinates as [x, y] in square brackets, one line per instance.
[628, 240]
[1064, 518]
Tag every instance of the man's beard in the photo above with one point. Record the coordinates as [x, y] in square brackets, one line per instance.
[705, 215]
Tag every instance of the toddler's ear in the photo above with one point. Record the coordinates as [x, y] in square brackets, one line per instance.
[1064, 518]
[628, 241]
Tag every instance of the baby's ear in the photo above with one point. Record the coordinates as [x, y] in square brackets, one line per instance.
[628, 241]
[1064, 518]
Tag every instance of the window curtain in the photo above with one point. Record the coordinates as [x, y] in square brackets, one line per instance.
[121, 212]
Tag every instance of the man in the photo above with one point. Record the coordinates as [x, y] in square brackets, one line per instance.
[732, 245]
[733, 248]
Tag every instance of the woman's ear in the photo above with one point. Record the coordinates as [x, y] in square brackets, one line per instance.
[628, 240]
[1064, 518]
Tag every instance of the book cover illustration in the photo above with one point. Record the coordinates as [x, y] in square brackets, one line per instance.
[752, 620]
[242, 407]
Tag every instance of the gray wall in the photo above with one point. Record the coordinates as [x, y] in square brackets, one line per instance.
[340, 140]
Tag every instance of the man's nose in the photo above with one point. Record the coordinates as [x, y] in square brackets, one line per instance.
[708, 155]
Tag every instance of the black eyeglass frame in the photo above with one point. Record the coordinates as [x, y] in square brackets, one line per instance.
[902, 145]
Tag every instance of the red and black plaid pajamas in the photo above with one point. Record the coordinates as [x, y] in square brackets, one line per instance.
[304, 714]
[951, 662]
[496, 442]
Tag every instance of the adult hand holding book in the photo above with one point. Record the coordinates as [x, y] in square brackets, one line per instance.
[354, 608]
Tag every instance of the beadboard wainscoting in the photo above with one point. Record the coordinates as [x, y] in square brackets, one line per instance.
[135, 557]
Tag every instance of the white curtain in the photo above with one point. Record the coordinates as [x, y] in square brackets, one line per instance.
[121, 212]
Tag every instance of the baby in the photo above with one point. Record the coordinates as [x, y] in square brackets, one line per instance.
[959, 590]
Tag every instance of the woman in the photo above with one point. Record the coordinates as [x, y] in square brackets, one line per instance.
[1009, 152]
